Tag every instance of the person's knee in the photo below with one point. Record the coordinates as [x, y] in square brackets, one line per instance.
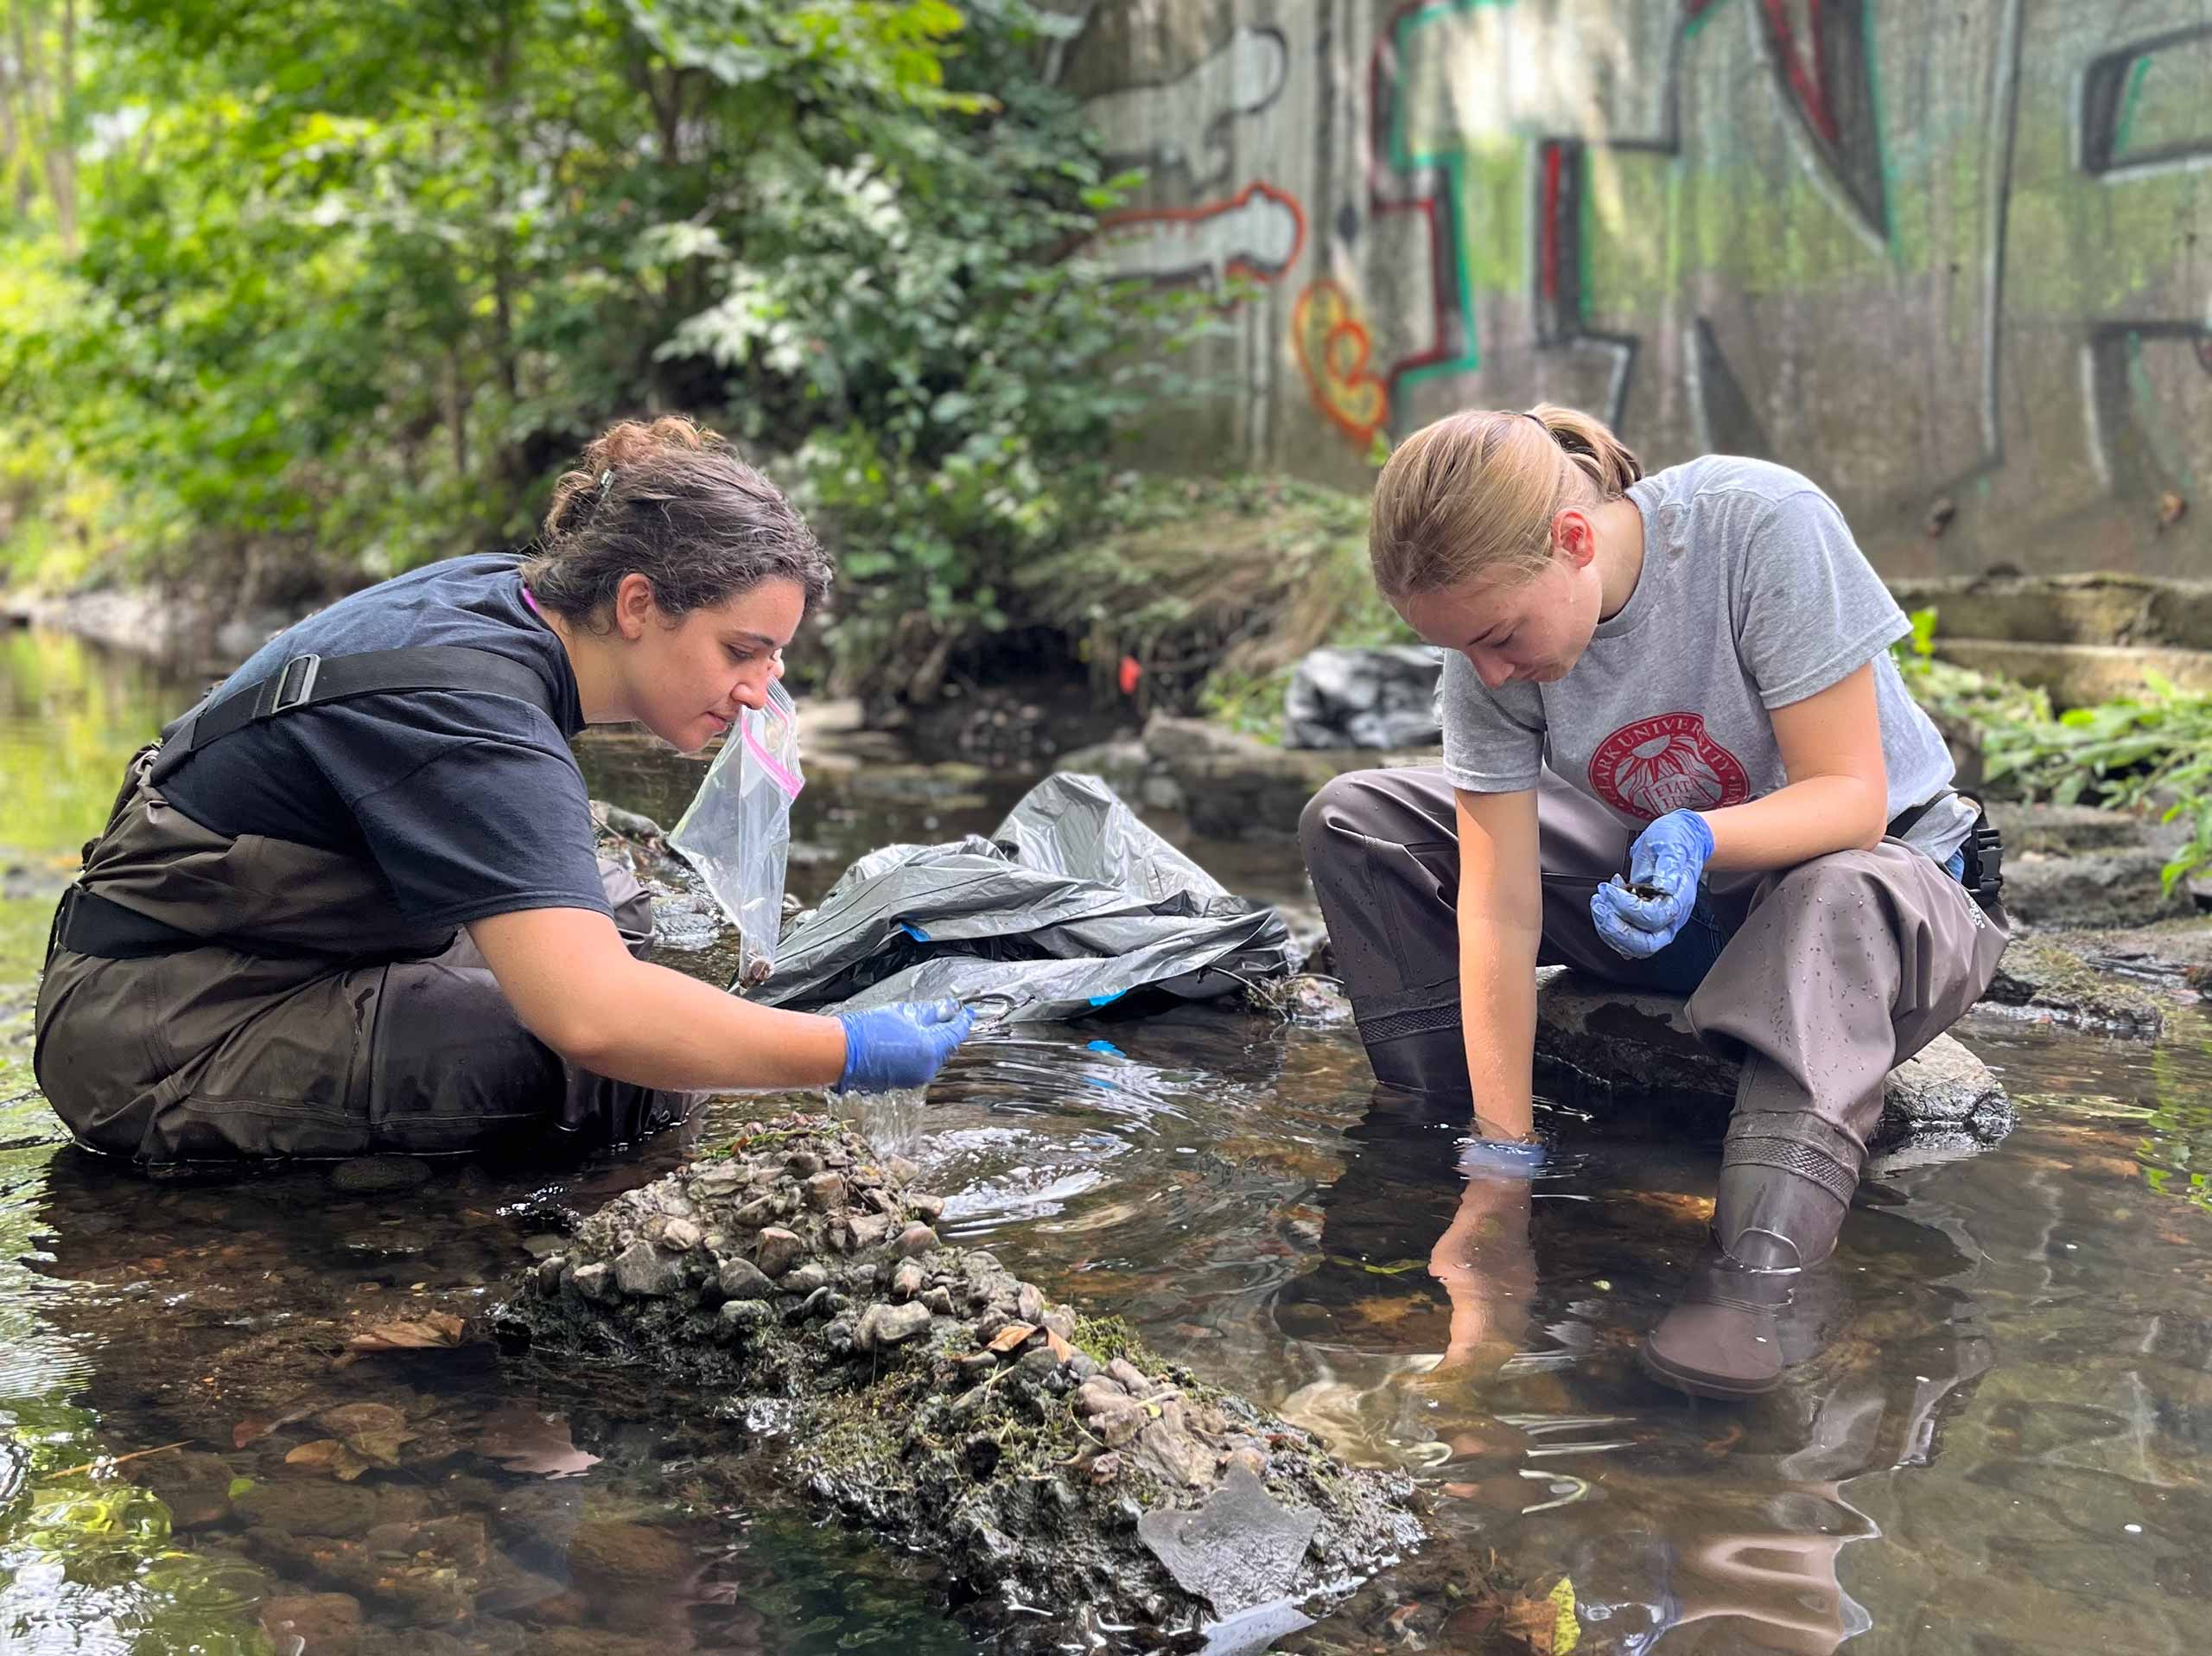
[1840, 876]
[1337, 810]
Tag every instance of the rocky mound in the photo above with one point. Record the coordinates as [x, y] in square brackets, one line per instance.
[1083, 1489]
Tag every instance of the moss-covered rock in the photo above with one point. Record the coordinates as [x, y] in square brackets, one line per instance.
[926, 1391]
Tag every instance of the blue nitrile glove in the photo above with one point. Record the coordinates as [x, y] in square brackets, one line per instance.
[891, 1047]
[1670, 855]
[1503, 1158]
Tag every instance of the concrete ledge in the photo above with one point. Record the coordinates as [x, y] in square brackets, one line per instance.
[2128, 609]
[2080, 675]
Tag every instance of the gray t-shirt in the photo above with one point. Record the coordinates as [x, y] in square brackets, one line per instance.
[1753, 595]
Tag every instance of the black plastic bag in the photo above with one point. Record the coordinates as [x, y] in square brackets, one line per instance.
[1070, 905]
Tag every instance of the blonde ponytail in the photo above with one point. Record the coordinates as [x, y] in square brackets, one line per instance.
[1477, 491]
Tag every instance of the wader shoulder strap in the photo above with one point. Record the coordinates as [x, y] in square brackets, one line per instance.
[314, 680]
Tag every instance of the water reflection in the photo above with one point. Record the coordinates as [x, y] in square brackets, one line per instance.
[2001, 1446]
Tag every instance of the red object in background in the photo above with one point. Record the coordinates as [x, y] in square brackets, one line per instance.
[1132, 669]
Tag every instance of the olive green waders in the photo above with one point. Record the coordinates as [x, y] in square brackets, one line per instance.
[208, 997]
[1823, 977]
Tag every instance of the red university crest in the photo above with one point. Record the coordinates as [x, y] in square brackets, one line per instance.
[1666, 763]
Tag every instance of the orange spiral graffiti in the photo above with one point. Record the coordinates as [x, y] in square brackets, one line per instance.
[1333, 348]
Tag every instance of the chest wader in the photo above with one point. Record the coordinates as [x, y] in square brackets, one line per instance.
[211, 997]
[1822, 978]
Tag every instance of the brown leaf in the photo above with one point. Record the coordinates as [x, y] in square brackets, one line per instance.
[410, 1333]
[350, 1418]
[523, 1440]
[254, 1428]
[1061, 1349]
[328, 1454]
[1535, 1623]
[379, 1448]
[1010, 1336]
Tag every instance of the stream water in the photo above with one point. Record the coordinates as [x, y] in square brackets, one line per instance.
[1999, 1449]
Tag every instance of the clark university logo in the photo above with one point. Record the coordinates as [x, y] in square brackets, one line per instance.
[1667, 763]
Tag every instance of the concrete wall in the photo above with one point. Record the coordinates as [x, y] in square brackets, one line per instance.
[1953, 259]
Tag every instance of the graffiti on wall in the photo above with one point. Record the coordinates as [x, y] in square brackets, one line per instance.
[1184, 124]
[1914, 254]
[1257, 232]
[1333, 351]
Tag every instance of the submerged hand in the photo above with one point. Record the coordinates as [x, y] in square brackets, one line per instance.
[1668, 858]
[891, 1047]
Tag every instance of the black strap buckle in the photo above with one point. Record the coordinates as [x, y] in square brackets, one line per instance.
[1984, 862]
[293, 685]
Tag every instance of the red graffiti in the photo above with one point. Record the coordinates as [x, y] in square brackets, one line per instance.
[1238, 228]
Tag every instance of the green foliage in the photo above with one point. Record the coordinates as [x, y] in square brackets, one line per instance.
[351, 282]
[2129, 755]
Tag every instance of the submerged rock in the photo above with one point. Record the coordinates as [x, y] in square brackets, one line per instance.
[926, 1391]
[1641, 1047]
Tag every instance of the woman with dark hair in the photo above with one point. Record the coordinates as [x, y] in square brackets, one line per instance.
[350, 902]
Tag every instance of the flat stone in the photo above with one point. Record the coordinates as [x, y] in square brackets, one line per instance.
[925, 1207]
[2094, 888]
[1239, 1551]
[806, 1278]
[740, 1279]
[777, 1251]
[644, 1273]
[890, 1325]
[2044, 979]
[825, 1191]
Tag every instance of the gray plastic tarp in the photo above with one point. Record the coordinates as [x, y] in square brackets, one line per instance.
[1070, 905]
[1383, 697]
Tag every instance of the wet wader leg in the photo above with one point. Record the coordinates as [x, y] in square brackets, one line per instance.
[452, 1066]
[1846, 967]
[1383, 850]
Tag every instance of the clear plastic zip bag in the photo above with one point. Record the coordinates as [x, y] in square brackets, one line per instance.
[737, 830]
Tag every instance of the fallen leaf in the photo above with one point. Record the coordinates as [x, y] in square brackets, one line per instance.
[328, 1454]
[410, 1333]
[1061, 1349]
[523, 1440]
[1534, 1622]
[254, 1428]
[1010, 1336]
[350, 1418]
[379, 1448]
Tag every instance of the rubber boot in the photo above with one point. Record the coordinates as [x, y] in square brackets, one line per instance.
[1422, 1051]
[1723, 1338]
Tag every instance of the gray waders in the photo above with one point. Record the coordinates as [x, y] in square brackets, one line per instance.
[208, 997]
[1822, 978]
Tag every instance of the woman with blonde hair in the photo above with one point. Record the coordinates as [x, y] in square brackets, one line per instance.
[1678, 756]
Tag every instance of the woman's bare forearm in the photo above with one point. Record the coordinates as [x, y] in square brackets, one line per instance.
[1497, 1011]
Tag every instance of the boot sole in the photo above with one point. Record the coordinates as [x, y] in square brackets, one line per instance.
[1701, 1385]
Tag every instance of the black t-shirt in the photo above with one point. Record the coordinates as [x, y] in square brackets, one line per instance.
[468, 803]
